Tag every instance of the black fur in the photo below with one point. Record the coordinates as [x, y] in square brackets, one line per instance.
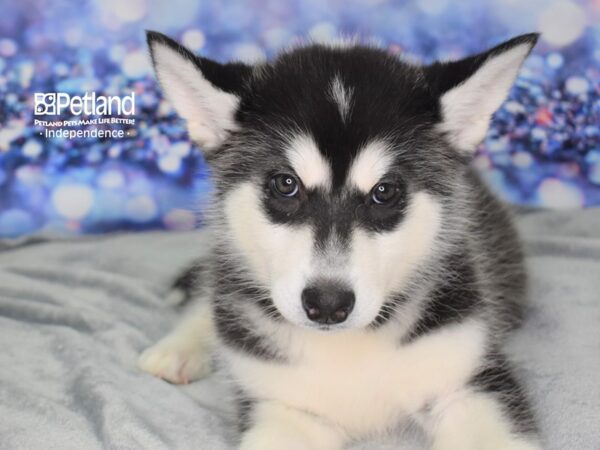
[290, 95]
[455, 297]
[231, 293]
[244, 408]
[498, 379]
[388, 310]
[236, 333]
[443, 76]
[227, 77]
[191, 280]
[342, 212]
[292, 92]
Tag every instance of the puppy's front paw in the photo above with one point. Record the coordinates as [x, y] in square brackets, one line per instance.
[492, 444]
[278, 427]
[175, 361]
[271, 442]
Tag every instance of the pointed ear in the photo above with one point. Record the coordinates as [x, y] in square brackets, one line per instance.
[203, 92]
[472, 89]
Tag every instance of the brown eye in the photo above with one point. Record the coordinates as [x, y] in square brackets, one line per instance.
[384, 193]
[284, 185]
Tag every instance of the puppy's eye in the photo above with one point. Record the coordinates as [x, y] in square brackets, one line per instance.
[385, 193]
[285, 185]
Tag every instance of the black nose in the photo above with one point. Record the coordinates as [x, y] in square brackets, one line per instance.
[327, 303]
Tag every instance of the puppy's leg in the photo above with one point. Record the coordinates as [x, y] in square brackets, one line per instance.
[183, 355]
[480, 420]
[189, 284]
[275, 427]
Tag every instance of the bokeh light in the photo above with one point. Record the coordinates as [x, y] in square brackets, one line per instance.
[562, 22]
[73, 201]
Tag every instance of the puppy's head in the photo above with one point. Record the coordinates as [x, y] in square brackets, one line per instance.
[335, 167]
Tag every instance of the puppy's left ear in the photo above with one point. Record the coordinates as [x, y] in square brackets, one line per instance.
[203, 92]
[472, 89]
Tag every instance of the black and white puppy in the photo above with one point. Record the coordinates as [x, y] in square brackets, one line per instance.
[361, 273]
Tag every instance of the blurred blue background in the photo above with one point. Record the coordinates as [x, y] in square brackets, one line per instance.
[543, 148]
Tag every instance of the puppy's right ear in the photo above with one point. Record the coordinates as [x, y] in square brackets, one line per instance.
[203, 92]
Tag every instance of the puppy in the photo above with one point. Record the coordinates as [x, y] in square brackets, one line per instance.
[361, 273]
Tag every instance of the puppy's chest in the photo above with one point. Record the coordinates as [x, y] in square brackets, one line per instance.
[363, 382]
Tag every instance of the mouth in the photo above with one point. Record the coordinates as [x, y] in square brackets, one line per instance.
[325, 328]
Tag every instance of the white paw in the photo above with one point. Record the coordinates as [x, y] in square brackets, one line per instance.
[268, 442]
[176, 361]
[489, 444]
[295, 431]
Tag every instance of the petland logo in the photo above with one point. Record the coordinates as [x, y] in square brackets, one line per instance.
[88, 106]
[55, 103]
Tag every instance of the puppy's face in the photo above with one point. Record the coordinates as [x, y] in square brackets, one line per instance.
[332, 255]
[335, 167]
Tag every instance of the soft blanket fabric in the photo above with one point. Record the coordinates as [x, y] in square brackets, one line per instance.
[74, 315]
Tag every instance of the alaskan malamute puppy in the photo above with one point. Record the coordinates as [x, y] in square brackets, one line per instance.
[361, 273]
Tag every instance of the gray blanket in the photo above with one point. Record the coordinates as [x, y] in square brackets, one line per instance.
[74, 315]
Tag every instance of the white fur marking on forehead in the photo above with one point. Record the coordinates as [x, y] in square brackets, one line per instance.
[342, 97]
[372, 163]
[308, 163]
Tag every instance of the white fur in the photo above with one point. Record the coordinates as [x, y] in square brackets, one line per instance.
[470, 420]
[279, 427]
[370, 165]
[381, 263]
[346, 385]
[308, 162]
[185, 354]
[467, 108]
[279, 256]
[209, 111]
[341, 96]
[284, 258]
[360, 381]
